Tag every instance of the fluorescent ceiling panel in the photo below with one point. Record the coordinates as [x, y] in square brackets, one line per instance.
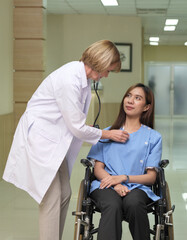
[171, 22]
[109, 2]
[169, 28]
[154, 43]
[154, 39]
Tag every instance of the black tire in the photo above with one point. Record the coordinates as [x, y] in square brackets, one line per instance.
[170, 229]
[79, 207]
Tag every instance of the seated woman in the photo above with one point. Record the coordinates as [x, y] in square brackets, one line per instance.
[124, 171]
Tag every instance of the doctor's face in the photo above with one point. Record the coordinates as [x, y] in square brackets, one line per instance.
[96, 76]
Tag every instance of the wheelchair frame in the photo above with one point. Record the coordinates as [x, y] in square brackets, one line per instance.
[162, 210]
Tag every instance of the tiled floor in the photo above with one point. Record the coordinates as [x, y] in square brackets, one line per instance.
[19, 213]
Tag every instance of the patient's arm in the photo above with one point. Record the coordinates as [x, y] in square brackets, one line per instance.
[99, 170]
[106, 179]
[145, 179]
[148, 178]
[102, 175]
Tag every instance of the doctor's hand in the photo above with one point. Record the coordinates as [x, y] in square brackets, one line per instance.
[115, 135]
[119, 135]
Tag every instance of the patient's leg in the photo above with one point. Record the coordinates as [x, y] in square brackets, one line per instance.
[135, 212]
[110, 205]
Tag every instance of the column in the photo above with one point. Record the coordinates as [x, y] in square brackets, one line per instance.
[29, 51]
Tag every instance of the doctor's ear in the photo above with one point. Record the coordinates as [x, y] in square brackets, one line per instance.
[146, 107]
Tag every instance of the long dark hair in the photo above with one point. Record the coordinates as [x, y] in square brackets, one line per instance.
[147, 117]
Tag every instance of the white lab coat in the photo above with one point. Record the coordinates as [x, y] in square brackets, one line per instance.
[52, 127]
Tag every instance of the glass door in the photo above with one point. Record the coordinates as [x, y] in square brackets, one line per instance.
[169, 84]
[180, 90]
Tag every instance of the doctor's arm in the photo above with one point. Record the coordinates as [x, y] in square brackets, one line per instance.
[69, 102]
[115, 135]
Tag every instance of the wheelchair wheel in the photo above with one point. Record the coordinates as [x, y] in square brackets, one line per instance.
[79, 209]
[170, 229]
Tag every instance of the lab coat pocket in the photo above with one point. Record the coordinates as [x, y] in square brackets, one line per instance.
[42, 143]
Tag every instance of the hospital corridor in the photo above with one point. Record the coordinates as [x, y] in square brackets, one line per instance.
[40, 36]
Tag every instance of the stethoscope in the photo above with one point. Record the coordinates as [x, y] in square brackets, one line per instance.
[95, 85]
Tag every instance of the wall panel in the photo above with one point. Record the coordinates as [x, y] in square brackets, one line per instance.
[19, 109]
[28, 23]
[28, 55]
[25, 83]
[6, 133]
[30, 3]
[29, 51]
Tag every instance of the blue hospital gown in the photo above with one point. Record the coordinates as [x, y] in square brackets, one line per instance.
[143, 150]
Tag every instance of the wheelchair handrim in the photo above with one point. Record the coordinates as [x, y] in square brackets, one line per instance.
[170, 229]
[79, 208]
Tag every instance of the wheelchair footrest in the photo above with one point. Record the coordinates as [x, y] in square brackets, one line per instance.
[168, 215]
[78, 214]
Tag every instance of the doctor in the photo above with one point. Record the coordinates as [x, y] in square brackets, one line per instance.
[50, 133]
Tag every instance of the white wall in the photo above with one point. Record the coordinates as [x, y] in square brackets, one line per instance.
[69, 35]
[6, 56]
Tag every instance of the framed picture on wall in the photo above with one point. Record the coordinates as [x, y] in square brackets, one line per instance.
[125, 50]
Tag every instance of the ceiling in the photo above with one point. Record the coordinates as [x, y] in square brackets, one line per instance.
[153, 14]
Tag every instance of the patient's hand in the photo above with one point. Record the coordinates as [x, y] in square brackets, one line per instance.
[109, 181]
[121, 190]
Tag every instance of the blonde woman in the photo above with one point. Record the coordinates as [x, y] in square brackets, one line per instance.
[50, 133]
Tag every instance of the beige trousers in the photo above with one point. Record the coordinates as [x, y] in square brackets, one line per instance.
[54, 206]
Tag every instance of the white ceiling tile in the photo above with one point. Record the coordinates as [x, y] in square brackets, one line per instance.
[153, 13]
[152, 3]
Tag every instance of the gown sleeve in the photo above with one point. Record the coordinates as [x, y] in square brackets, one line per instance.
[155, 151]
[96, 152]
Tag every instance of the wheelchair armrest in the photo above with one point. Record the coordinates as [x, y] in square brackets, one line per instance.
[160, 185]
[164, 163]
[88, 176]
[86, 163]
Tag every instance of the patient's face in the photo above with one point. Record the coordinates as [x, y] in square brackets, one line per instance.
[135, 102]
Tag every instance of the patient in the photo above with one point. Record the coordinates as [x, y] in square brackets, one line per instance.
[124, 171]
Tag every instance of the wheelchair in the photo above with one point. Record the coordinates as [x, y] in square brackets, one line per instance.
[162, 210]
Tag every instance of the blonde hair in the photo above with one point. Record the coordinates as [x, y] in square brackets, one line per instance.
[100, 55]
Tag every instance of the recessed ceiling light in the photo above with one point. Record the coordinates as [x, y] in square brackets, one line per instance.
[169, 28]
[171, 22]
[153, 43]
[109, 2]
[154, 39]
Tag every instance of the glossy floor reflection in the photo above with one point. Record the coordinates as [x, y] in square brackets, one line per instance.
[19, 213]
